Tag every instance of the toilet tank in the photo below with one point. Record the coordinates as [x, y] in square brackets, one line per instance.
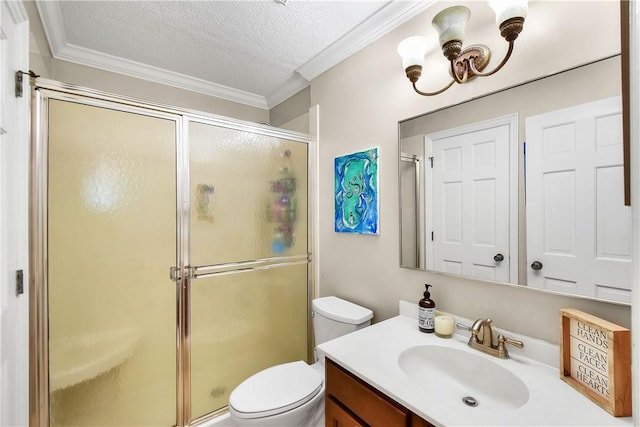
[334, 317]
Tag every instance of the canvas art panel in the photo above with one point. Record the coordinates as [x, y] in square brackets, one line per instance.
[356, 192]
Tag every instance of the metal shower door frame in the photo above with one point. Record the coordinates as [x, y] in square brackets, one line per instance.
[182, 273]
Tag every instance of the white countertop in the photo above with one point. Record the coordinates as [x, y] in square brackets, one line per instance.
[372, 355]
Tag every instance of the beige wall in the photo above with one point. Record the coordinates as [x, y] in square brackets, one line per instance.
[293, 113]
[299, 124]
[290, 109]
[361, 102]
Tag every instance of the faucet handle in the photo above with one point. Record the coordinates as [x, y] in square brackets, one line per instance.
[463, 326]
[505, 340]
[502, 340]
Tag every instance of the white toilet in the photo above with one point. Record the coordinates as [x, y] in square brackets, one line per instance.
[292, 394]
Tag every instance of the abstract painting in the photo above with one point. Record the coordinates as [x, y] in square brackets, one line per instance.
[356, 192]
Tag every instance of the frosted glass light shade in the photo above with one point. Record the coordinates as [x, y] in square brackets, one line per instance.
[412, 50]
[451, 23]
[507, 9]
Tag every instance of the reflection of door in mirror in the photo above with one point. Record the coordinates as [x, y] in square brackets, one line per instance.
[468, 216]
[578, 228]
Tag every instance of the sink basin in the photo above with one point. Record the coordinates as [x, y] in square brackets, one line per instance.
[455, 374]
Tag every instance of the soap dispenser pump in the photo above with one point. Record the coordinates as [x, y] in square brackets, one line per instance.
[426, 312]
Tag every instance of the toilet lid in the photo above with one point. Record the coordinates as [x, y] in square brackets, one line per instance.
[341, 310]
[275, 390]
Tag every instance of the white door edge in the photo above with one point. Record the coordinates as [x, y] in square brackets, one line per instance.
[14, 214]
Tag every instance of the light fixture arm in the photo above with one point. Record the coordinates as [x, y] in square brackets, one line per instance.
[495, 70]
[438, 92]
[454, 71]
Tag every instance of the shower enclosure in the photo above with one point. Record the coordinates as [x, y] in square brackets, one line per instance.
[169, 254]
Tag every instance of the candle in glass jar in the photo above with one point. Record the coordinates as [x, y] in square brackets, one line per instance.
[444, 326]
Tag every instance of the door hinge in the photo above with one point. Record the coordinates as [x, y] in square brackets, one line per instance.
[432, 236]
[431, 160]
[177, 273]
[18, 84]
[19, 282]
[19, 81]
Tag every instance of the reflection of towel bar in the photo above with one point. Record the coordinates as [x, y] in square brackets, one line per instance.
[412, 158]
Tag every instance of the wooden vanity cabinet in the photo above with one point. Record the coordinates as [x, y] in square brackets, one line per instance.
[351, 402]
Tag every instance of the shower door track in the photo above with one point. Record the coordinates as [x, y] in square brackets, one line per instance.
[43, 90]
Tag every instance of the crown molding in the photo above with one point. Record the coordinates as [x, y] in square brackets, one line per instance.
[292, 86]
[386, 19]
[61, 49]
[91, 58]
[17, 10]
[53, 25]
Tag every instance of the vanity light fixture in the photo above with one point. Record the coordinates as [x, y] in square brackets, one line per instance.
[468, 62]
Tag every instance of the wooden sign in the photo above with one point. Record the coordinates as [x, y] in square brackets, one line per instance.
[595, 358]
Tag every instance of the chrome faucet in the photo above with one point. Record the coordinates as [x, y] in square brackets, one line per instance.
[482, 339]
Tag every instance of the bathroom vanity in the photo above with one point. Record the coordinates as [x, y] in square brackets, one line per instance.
[349, 401]
[391, 374]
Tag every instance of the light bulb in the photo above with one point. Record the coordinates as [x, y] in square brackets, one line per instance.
[451, 23]
[412, 50]
[508, 9]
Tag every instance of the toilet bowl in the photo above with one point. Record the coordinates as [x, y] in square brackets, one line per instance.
[292, 394]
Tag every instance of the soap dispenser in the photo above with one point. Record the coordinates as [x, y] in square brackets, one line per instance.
[426, 312]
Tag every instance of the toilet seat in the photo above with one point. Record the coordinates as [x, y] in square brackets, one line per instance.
[276, 390]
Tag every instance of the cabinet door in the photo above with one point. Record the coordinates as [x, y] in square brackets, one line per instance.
[416, 421]
[363, 400]
[336, 416]
[349, 401]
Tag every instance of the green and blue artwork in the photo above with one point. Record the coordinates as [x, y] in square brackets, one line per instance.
[356, 192]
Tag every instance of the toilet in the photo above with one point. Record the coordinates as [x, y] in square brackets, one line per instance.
[292, 394]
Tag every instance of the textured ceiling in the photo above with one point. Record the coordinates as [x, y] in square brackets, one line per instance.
[255, 52]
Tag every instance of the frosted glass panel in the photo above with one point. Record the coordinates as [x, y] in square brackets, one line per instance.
[112, 306]
[248, 196]
[243, 323]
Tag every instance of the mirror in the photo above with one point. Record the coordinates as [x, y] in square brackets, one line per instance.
[438, 209]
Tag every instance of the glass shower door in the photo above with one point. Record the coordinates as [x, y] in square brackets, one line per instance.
[111, 241]
[248, 231]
